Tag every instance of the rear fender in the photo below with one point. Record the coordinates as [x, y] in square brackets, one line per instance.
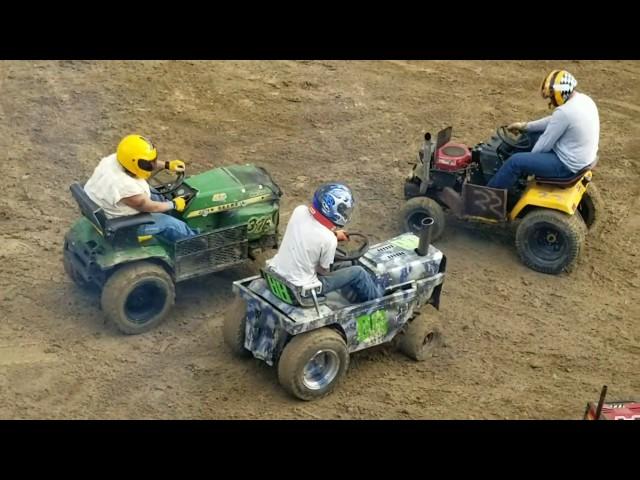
[548, 196]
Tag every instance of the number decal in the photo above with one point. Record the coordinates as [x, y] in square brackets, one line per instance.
[555, 196]
[278, 289]
[372, 326]
[488, 200]
[259, 224]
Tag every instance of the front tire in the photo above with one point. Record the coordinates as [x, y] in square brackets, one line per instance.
[418, 208]
[137, 297]
[313, 363]
[421, 338]
[550, 241]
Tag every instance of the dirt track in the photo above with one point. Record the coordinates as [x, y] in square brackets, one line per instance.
[519, 344]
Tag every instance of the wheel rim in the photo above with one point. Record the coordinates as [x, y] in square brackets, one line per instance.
[428, 339]
[415, 221]
[548, 243]
[321, 369]
[145, 302]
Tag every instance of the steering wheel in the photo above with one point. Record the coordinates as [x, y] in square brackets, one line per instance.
[351, 254]
[167, 187]
[521, 142]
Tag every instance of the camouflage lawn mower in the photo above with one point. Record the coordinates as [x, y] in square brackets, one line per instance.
[236, 208]
[310, 335]
[553, 215]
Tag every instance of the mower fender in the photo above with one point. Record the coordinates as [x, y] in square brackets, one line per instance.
[547, 196]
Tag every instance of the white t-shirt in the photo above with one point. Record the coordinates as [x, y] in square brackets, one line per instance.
[306, 243]
[109, 184]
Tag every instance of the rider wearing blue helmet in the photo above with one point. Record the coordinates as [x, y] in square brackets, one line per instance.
[309, 245]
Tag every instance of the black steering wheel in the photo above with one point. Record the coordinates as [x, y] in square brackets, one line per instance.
[167, 187]
[344, 254]
[521, 142]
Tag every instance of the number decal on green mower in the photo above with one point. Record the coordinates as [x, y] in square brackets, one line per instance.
[373, 325]
[259, 224]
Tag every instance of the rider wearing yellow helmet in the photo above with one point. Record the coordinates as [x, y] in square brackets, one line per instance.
[119, 186]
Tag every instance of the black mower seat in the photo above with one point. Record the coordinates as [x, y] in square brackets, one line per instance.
[107, 226]
[569, 181]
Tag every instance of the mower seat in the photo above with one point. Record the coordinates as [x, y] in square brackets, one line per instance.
[108, 227]
[566, 182]
[304, 296]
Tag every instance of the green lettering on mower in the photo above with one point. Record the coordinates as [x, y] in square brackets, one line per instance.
[372, 325]
[279, 289]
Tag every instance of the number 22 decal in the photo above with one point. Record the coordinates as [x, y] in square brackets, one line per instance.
[483, 197]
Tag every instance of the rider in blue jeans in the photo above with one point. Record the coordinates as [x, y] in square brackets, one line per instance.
[309, 245]
[568, 138]
[119, 186]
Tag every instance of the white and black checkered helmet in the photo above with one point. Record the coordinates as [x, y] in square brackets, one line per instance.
[558, 87]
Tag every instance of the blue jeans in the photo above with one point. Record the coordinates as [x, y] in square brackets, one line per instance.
[356, 282]
[168, 228]
[526, 163]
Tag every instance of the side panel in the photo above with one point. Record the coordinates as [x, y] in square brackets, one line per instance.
[265, 332]
[377, 321]
[547, 196]
[261, 218]
[92, 252]
[210, 252]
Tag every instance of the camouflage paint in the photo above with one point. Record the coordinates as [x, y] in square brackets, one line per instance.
[270, 322]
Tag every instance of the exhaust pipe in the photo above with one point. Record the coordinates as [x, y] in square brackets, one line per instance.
[425, 236]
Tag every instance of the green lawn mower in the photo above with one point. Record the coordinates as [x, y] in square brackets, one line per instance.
[235, 208]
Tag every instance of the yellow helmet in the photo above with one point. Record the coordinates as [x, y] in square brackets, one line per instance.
[137, 155]
[558, 87]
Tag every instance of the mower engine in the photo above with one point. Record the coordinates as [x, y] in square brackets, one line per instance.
[443, 163]
[614, 411]
[623, 410]
[452, 157]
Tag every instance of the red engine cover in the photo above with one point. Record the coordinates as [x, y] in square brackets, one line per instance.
[452, 157]
[615, 411]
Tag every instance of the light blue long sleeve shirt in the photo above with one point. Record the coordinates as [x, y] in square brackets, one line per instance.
[572, 131]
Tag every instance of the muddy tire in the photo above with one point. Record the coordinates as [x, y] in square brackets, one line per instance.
[421, 338]
[591, 208]
[417, 209]
[233, 328]
[137, 297]
[313, 363]
[550, 241]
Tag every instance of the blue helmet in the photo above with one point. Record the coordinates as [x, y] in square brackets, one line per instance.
[335, 202]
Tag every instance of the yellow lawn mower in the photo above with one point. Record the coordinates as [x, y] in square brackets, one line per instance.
[554, 215]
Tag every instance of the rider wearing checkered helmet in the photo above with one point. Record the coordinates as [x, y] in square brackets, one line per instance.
[562, 143]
